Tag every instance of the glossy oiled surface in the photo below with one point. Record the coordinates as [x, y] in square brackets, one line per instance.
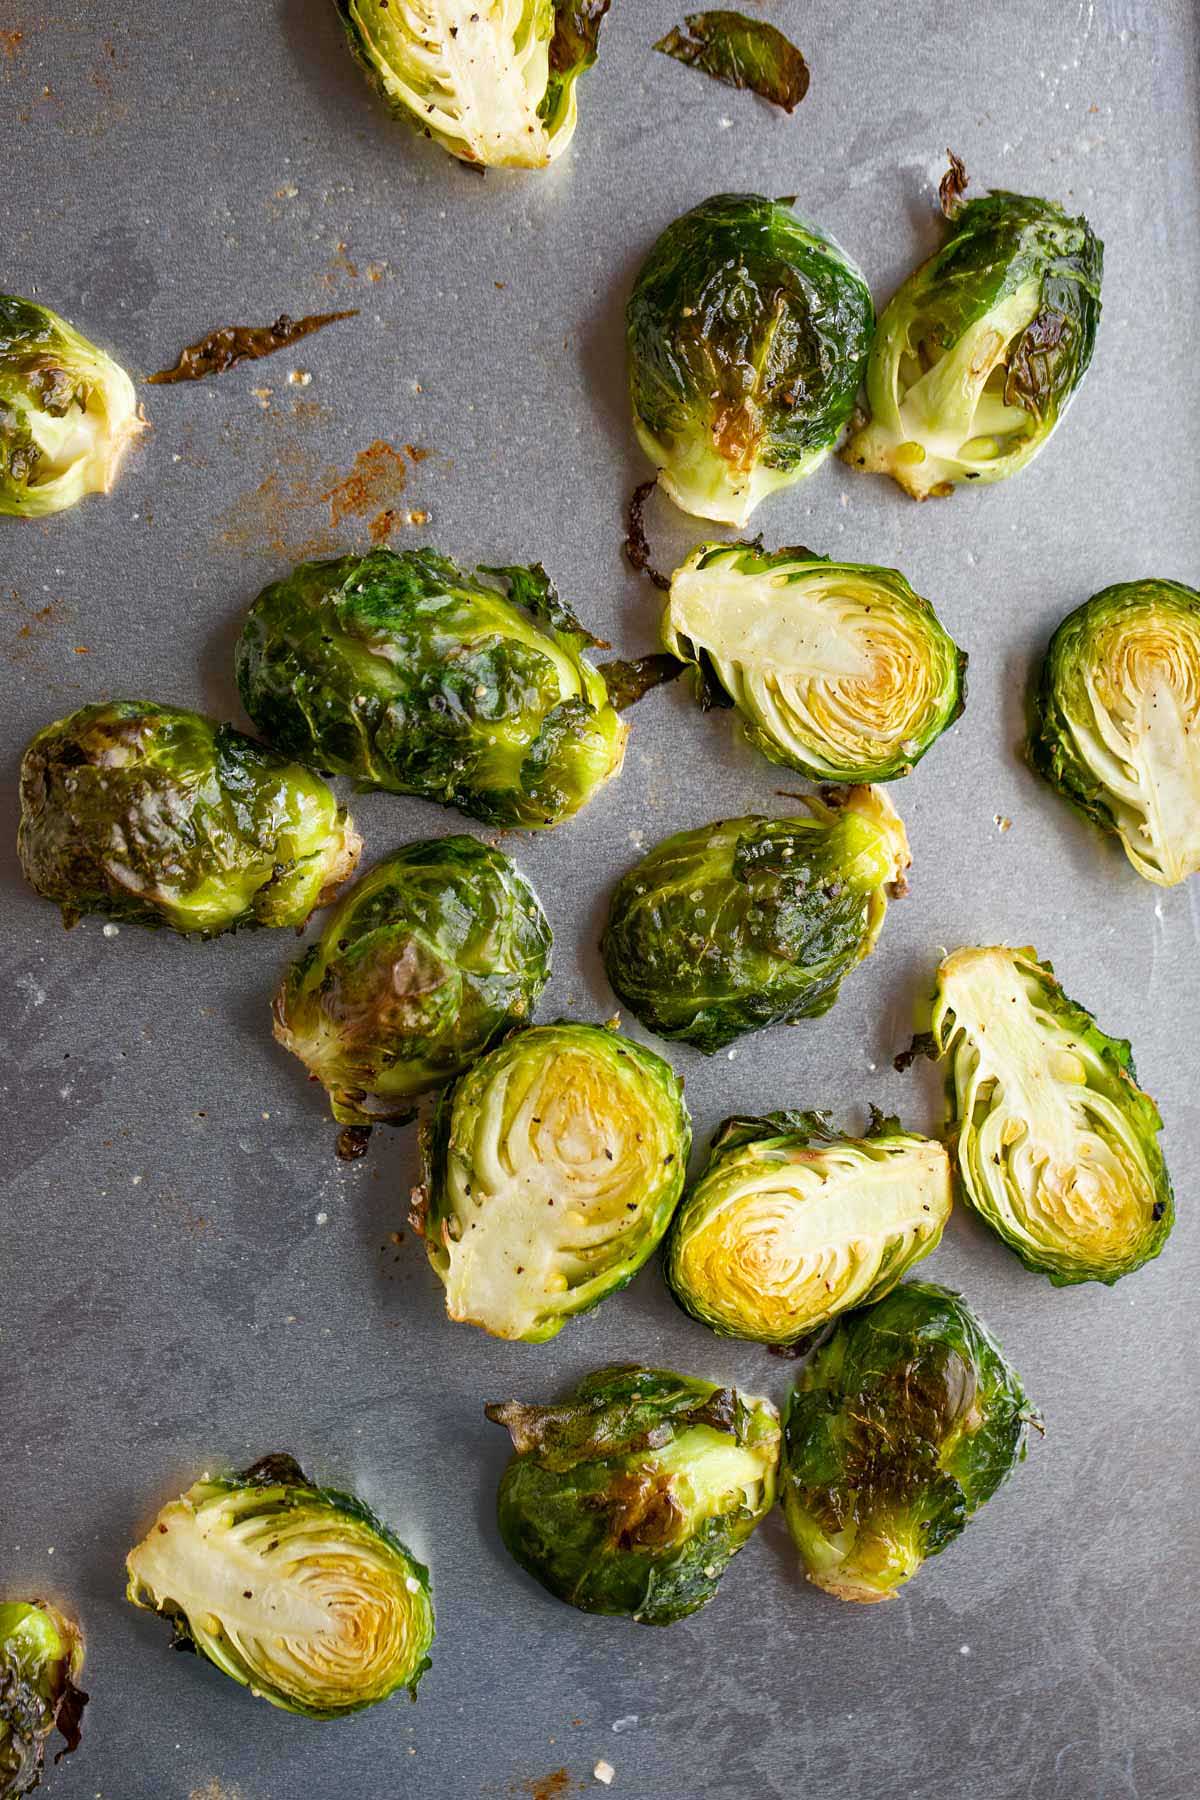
[188, 1277]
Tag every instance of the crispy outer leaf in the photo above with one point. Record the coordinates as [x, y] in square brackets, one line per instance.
[232, 344]
[576, 34]
[628, 681]
[741, 52]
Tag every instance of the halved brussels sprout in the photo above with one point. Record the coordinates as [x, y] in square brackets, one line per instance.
[979, 352]
[1118, 721]
[402, 671]
[747, 332]
[838, 669]
[792, 1223]
[430, 958]
[41, 1660]
[752, 922]
[298, 1592]
[164, 817]
[493, 81]
[1056, 1142]
[631, 1495]
[551, 1171]
[904, 1422]
[67, 412]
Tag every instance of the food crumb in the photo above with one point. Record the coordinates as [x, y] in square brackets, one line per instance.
[1001, 823]
[299, 377]
[604, 1772]
[110, 930]
[322, 1218]
[419, 517]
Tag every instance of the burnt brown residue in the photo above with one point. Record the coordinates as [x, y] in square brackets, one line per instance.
[10, 44]
[547, 1787]
[637, 549]
[953, 185]
[353, 1141]
[232, 344]
[375, 482]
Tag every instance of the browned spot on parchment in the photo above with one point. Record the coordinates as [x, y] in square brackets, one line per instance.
[376, 480]
[10, 43]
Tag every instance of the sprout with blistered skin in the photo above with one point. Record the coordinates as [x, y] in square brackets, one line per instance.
[164, 817]
[632, 1495]
[297, 1592]
[792, 1223]
[1117, 727]
[67, 412]
[752, 922]
[1057, 1144]
[41, 1660]
[430, 958]
[905, 1421]
[839, 670]
[551, 1170]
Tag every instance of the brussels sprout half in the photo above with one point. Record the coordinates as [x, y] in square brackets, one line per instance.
[298, 1592]
[428, 959]
[903, 1423]
[747, 331]
[1117, 727]
[164, 817]
[1056, 1143]
[981, 349]
[492, 80]
[631, 1495]
[41, 1660]
[67, 412]
[752, 922]
[551, 1171]
[838, 669]
[406, 673]
[792, 1223]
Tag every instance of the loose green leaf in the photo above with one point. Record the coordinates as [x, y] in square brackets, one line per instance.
[230, 345]
[741, 52]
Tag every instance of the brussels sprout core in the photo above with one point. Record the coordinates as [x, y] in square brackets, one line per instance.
[41, 1659]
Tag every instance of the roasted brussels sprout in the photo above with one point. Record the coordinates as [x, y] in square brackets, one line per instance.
[980, 350]
[493, 82]
[754, 921]
[551, 1170]
[164, 817]
[1117, 729]
[631, 1495]
[902, 1424]
[298, 1592]
[1056, 1142]
[747, 331]
[41, 1659]
[404, 672]
[793, 1223]
[430, 958]
[67, 412]
[838, 669]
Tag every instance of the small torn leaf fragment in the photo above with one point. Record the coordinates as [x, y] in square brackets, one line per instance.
[637, 547]
[741, 52]
[953, 185]
[628, 681]
[232, 344]
[576, 34]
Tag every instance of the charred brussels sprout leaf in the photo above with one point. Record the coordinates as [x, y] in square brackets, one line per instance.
[904, 1422]
[741, 52]
[793, 1223]
[552, 1169]
[67, 412]
[754, 921]
[1057, 1144]
[978, 353]
[434, 954]
[492, 80]
[632, 1494]
[41, 1659]
[164, 817]
[408, 674]
[747, 331]
[838, 669]
[1118, 721]
[298, 1592]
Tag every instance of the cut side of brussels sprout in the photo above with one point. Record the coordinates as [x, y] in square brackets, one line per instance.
[299, 1593]
[552, 1169]
[1056, 1142]
[41, 1660]
[793, 1223]
[1118, 721]
[839, 670]
[632, 1495]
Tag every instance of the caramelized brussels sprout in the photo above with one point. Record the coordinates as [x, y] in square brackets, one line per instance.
[838, 669]
[551, 1172]
[298, 1592]
[1057, 1144]
[164, 817]
[41, 1660]
[754, 921]
[904, 1422]
[631, 1495]
[1118, 721]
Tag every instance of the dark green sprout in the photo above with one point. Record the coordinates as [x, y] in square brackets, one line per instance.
[41, 1660]
[741, 52]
